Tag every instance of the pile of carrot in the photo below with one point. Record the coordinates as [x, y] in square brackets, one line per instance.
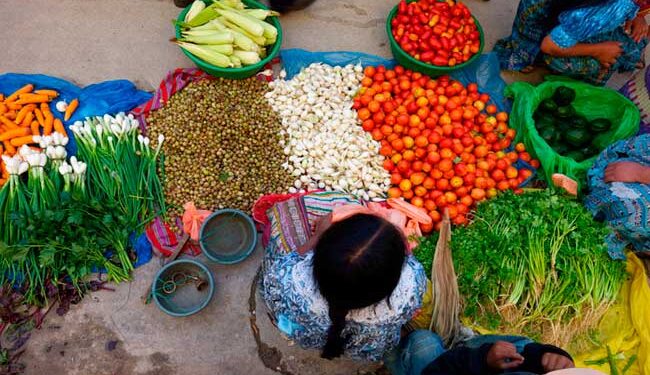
[24, 115]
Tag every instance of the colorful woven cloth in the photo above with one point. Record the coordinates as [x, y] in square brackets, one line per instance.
[291, 293]
[624, 206]
[637, 90]
[586, 25]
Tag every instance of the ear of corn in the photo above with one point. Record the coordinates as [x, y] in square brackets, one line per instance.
[226, 34]
[206, 54]
[195, 9]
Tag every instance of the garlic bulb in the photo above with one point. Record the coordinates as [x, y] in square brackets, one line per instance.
[326, 146]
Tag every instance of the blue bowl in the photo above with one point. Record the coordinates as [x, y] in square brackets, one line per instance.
[228, 236]
[177, 293]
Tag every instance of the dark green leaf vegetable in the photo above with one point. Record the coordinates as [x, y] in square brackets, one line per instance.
[579, 122]
[549, 135]
[564, 96]
[534, 264]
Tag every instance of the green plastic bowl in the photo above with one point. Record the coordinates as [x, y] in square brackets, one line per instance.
[244, 71]
[409, 62]
[187, 299]
[228, 236]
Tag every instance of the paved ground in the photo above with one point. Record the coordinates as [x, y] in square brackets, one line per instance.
[87, 41]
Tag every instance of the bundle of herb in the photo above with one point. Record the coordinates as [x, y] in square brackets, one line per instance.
[533, 264]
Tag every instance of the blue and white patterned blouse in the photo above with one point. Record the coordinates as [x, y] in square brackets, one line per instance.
[581, 24]
[301, 312]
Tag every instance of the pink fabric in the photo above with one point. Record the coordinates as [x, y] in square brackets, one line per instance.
[403, 219]
[193, 219]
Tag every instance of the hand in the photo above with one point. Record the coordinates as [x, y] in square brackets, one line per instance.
[637, 29]
[553, 362]
[627, 171]
[503, 355]
[607, 53]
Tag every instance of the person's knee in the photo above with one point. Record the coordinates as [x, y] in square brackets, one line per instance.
[424, 342]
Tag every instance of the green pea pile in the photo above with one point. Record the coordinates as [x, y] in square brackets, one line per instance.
[222, 145]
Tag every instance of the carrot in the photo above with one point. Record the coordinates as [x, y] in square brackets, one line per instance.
[49, 121]
[71, 108]
[50, 93]
[45, 108]
[32, 98]
[23, 90]
[11, 115]
[3, 108]
[17, 142]
[20, 132]
[35, 127]
[21, 114]
[59, 128]
[9, 149]
[10, 124]
[27, 121]
[2, 98]
[39, 116]
[13, 105]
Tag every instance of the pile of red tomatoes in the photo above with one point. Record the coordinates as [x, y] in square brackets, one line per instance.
[445, 146]
[434, 32]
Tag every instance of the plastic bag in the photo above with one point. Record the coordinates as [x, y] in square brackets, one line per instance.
[94, 100]
[485, 71]
[625, 327]
[591, 101]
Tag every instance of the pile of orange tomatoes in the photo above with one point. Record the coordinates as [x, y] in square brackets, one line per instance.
[445, 146]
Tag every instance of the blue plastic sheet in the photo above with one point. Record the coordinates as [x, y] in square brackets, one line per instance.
[94, 100]
[485, 71]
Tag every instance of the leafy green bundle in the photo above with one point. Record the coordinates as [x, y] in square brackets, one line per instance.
[60, 222]
[533, 264]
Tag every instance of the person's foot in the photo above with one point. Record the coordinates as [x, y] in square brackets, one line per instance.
[564, 182]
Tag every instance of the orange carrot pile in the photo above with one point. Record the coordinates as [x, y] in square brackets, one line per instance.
[25, 114]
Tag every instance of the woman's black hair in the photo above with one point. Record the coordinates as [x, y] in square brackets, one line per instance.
[357, 263]
[557, 7]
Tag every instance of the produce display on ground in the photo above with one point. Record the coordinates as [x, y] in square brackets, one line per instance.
[325, 147]
[533, 264]
[444, 145]
[222, 147]
[441, 33]
[226, 33]
[76, 198]
[94, 204]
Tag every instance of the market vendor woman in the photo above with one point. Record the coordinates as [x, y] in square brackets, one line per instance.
[337, 275]
[585, 39]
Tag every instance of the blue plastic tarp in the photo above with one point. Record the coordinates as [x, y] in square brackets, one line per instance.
[484, 71]
[94, 100]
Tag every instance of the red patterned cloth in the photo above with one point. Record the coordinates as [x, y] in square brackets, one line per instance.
[644, 6]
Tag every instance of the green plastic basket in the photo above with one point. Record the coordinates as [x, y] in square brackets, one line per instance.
[187, 297]
[244, 71]
[228, 236]
[409, 62]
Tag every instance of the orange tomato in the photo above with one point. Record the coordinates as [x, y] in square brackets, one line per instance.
[498, 175]
[511, 172]
[502, 116]
[394, 192]
[421, 141]
[436, 173]
[408, 142]
[417, 201]
[491, 109]
[524, 156]
[429, 204]
[435, 216]
[417, 178]
[491, 193]
[480, 151]
[420, 191]
[446, 153]
[395, 178]
[396, 158]
[442, 184]
[503, 185]
[398, 144]
[456, 182]
[407, 194]
[520, 147]
[445, 165]
[389, 165]
[452, 211]
[364, 114]
[405, 185]
[374, 106]
[467, 201]
[451, 197]
[478, 194]
[408, 155]
[535, 163]
[403, 166]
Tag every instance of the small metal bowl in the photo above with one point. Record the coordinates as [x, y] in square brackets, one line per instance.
[183, 287]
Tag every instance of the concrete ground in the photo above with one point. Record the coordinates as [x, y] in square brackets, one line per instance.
[86, 41]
